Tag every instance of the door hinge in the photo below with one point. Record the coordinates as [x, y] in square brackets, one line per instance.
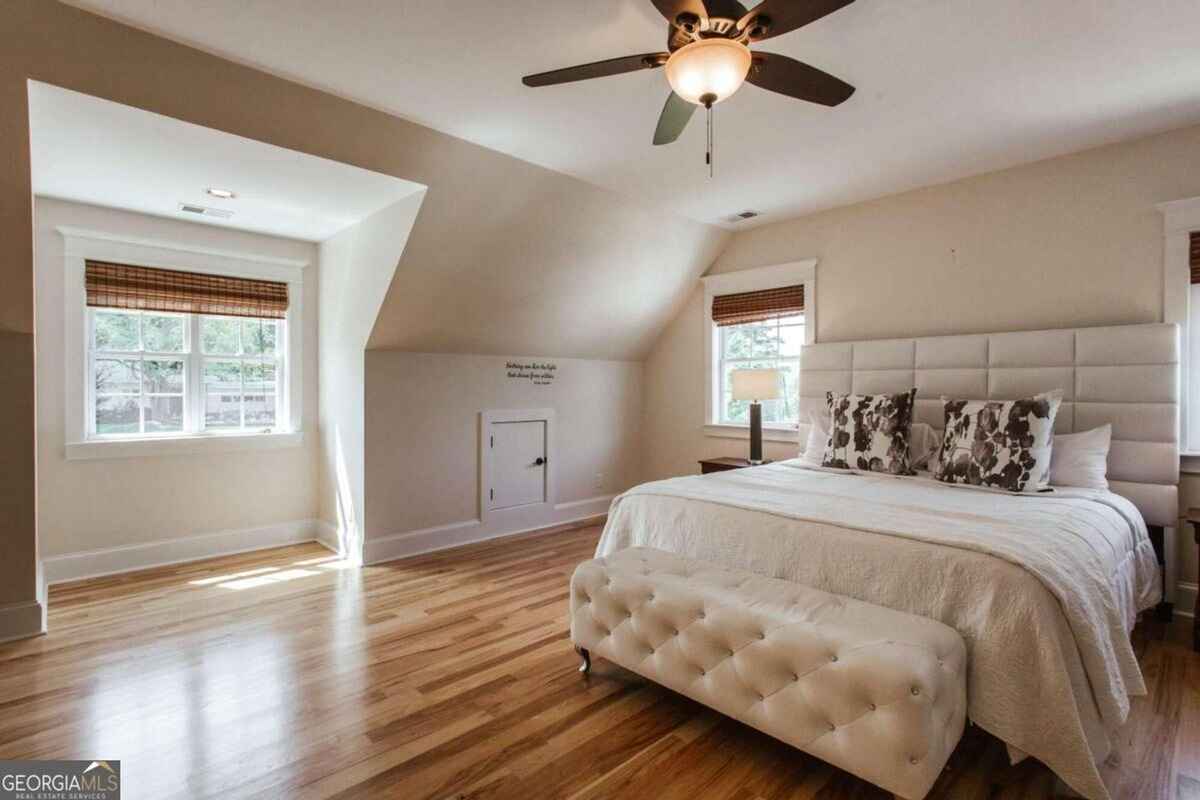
[493, 443]
[491, 494]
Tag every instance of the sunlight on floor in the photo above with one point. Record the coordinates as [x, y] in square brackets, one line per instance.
[232, 576]
[268, 579]
[264, 576]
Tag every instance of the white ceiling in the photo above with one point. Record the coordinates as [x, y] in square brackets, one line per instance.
[96, 151]
[947, 88]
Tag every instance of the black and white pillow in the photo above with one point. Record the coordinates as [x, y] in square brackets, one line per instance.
[870, 432]
[1001, 445]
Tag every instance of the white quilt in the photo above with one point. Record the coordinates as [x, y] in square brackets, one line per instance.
[1044, 588]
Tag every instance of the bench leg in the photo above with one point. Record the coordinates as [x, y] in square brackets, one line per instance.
[585, 660]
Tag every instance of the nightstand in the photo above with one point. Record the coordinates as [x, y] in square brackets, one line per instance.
[1193, 518]
[708, 465]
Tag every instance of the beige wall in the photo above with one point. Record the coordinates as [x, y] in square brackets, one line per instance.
[91, 505]
[1069, 242]
[1073, 241]
[423, 417]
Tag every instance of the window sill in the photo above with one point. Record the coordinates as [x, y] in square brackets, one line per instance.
[181, 445]
[770, 434]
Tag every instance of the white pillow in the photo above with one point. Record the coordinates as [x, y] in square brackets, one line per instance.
[818, 439]
[1081, 459]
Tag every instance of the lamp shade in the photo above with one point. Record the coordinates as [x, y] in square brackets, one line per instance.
[757, 384]
[708, 70]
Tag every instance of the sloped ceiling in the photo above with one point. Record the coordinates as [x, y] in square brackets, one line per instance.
[510, 258]
[505, 257]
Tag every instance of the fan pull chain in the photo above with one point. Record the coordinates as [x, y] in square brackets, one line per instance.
[708, 155]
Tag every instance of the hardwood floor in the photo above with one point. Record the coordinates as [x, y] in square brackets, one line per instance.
[283, 674]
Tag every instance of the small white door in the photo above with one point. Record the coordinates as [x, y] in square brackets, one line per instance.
[518, 463]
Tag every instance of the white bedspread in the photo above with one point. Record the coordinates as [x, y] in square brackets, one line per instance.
[1043, 588]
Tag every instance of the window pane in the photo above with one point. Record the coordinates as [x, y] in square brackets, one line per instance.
[259, 336]
[223, 376]
[162, 334]
[784, 410]
[164, 414]
[222, 410]
[737, 341]
[766, 339]
[259, 376]
[733, 410]
[219, 336]
[162, 377]
[116, 415]
[260, 410]
[118, 376]
[791, 339]
[116, 330]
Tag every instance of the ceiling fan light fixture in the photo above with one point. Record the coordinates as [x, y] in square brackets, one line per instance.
[708, 71]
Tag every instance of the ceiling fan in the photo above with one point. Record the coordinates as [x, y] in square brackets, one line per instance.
[709, 57]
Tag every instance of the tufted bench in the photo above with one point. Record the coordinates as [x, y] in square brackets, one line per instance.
[877, 692]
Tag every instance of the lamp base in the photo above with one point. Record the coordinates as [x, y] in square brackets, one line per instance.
[756, 454]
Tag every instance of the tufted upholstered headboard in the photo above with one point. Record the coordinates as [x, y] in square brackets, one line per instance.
[1127, 375]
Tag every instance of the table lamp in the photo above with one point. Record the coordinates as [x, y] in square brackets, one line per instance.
[756, 385]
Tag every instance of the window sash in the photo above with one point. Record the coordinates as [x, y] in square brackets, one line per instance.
[724, 361]
[194, 393]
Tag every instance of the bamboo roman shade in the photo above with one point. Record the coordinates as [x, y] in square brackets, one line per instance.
[150, 289]
[1195, 257]
[738, 309]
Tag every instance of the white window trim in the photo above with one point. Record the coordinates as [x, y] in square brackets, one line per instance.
[1180, 218]
[752, 280]
[79, 245]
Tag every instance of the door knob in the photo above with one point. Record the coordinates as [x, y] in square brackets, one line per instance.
[539, 461]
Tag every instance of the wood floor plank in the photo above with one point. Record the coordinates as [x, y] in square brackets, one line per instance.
[286, 673]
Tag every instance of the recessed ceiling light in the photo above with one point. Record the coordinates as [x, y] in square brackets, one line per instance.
[224, 194]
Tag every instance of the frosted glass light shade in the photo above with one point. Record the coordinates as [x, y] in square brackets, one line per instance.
[757, 384]
[716, 67]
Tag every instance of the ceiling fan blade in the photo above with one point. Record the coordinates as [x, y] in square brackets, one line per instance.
[674, 118]
[795, 79]
[776, 17]
[672, 9]
[598, 69]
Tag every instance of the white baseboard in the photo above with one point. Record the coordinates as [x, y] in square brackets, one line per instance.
[456, 534]
[1185, 598]
[113, 560]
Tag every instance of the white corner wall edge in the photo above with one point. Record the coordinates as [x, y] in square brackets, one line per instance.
[1185, 598]
[22, 620]
[115, 560]
[504, 522]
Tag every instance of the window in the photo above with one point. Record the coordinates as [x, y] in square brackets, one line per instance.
[757, 318]
[163, 374]
[1181, 305]
[773, 343]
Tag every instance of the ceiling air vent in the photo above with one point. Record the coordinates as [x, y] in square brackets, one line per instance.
[205, 211]
[742, 216]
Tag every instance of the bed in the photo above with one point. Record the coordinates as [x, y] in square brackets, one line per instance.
[1043, 588]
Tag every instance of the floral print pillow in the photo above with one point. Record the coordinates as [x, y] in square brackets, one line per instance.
[870, 432]
[1000, 445]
